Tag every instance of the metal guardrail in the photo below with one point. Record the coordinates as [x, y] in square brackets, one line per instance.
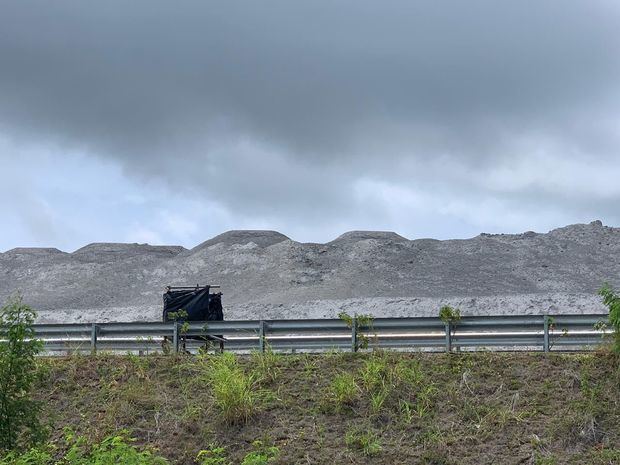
[543, 333]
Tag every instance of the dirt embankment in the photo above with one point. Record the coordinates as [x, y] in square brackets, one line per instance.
[383, 408]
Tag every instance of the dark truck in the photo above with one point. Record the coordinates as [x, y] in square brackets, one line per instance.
[194, 304]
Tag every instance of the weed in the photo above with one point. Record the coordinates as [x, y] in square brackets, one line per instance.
[612, 301]
[265, 365]
[361, 322]
[377, 399]
[232, 389]
[604, 456]
[35, 456]
[180, 315]
[449, 315]
[435, 457]
[540, 459]
[373, 373]
[425, 400]
[213, 455]
[261, 455]
[113, 449]
[116, 449]
[365, 441]
[343, 390]
[406, 411]
[431, 436]
[309, 365]
[409, 372]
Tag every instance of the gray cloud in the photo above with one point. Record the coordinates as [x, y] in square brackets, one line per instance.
[281, 110]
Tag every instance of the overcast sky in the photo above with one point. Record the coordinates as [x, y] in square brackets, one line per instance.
[170, 122]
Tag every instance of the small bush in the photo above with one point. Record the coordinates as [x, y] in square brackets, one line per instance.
[261, 455]
[233, 390]
[20, 427]
[449, 314]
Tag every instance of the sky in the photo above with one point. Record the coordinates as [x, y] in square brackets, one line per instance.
[171, 122]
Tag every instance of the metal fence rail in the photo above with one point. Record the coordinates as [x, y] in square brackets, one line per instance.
[542, 333]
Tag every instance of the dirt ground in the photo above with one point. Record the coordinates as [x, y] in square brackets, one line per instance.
[482, 408]
[265, 275]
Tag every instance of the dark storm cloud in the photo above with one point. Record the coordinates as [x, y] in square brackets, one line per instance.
[281, 108]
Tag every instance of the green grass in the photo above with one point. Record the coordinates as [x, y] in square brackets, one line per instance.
[342, 391]
[234, 391]
[366, 442]
[380, 408]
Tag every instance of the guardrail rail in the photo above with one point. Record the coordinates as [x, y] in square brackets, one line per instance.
[532, 332]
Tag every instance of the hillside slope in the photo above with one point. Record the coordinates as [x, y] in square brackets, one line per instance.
[265, 274]
[381, 408]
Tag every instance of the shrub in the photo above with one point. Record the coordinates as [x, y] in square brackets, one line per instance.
[612, 302]
[233, 390]
[19, 414]
[449, 314]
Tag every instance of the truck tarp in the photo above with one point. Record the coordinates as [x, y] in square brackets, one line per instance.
[198, 303]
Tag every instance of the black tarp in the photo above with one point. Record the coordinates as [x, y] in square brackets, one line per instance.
[198, 303]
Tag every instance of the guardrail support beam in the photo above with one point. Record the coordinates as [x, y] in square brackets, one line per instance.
[448, 327]
[93, 338]
[261, 335]
[546, 334]
[354, 346]
[175, 338]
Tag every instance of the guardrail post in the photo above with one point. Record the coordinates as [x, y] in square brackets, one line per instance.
[93, 338]
[546, 334]
[448, 337]
[354, 334]
[261, 335]
[175, 338]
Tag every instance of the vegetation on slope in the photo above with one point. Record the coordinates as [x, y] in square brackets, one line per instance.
[379, 408]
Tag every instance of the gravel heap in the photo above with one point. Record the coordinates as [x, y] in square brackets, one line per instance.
[264, 274]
